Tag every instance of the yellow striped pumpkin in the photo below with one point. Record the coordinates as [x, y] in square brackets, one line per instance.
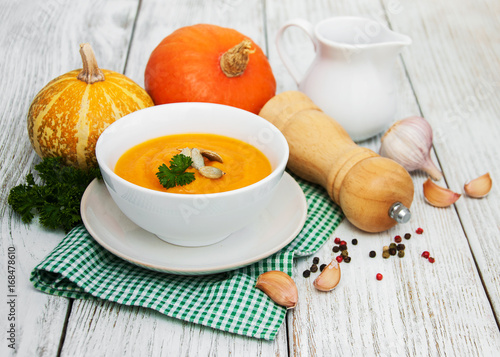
[68, 115]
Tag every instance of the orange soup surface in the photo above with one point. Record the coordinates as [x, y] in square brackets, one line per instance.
[243, 163]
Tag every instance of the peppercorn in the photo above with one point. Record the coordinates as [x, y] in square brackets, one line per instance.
[373, 254]
[339, 258]
[400, 246]
[379, 276]
[385, 248]
[337, 240]
[306, 273]
[354, 241]
[335, 248]
[322, 266]
[347, 259]
[313, 268]
[432, 260]
[392, 251]
[401, 253]
[392, 246]
[407, 236]
[397, 239]
[315, 260]
[425, 255]
[343, 242]
[343, 247]
[385, 254]
[419, 230]
[344, 253]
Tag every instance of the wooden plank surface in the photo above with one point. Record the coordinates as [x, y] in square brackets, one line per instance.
[412, 310]
[449, 75]
[40, 40]
[453, 64]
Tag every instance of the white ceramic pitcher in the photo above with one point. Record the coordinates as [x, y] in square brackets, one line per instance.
[352, 76]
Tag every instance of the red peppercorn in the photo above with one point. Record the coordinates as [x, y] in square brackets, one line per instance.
[425, 254]
[379, 276]
[419, 230]
[339, 258]
[432, 260]
[337, 240]
[397, 239]
[343, 242]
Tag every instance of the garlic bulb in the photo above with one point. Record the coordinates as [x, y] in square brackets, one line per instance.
[409, 142]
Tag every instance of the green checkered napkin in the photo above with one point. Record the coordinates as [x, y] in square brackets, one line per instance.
[80, 268]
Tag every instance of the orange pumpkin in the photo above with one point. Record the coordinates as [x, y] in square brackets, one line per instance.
[68, 115]
[208, 63]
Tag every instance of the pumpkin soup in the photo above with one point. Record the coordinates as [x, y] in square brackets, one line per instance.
[242, 163]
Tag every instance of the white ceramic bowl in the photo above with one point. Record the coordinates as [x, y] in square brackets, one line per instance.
[183, 219]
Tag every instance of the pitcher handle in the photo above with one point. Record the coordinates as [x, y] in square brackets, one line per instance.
[308, 28]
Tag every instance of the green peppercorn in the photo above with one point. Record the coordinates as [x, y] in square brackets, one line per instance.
[385, 254]
[373, 254]
[401, 253]
[392, 245]
[385, 248]
[306, 273]
[392, 251]
[344, 253]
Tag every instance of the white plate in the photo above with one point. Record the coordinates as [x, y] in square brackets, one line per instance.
[277, 226]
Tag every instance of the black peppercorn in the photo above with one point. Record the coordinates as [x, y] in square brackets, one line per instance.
[306, 273]
[407, 236]
[313, 268]
[354, 241]
[392, 251]
[400, 246]
[315, 260]
[343, 247]
[322, 266]
[401, 253]
[373, 254]
[347, 259]
[335, 248]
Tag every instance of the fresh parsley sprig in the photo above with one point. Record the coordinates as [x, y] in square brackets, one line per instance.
[176, 174]
[56, 199]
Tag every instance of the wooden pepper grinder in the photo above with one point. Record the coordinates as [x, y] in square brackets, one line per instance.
[373, 192]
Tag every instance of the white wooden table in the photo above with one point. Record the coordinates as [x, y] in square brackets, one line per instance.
[450, 75]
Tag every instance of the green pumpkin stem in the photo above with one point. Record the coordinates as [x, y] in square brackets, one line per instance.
[234, 62]
[90, 72]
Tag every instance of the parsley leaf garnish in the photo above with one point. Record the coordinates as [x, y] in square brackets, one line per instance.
[175, 175]
[57, 198]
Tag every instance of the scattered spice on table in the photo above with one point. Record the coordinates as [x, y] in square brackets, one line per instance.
[373, 254]
[306, 273]
[419, 230]
[407, 236]
[354, 241]
[426, 254]
[397, 239]
[379, 276]
[313, 268]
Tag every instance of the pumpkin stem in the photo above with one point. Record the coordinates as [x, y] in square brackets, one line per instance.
[234, 62]
[90, 72]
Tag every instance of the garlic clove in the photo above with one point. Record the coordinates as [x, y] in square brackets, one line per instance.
[329, 277]
[408, 142]
[439, 196]
[479, 187]
[280, 287]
